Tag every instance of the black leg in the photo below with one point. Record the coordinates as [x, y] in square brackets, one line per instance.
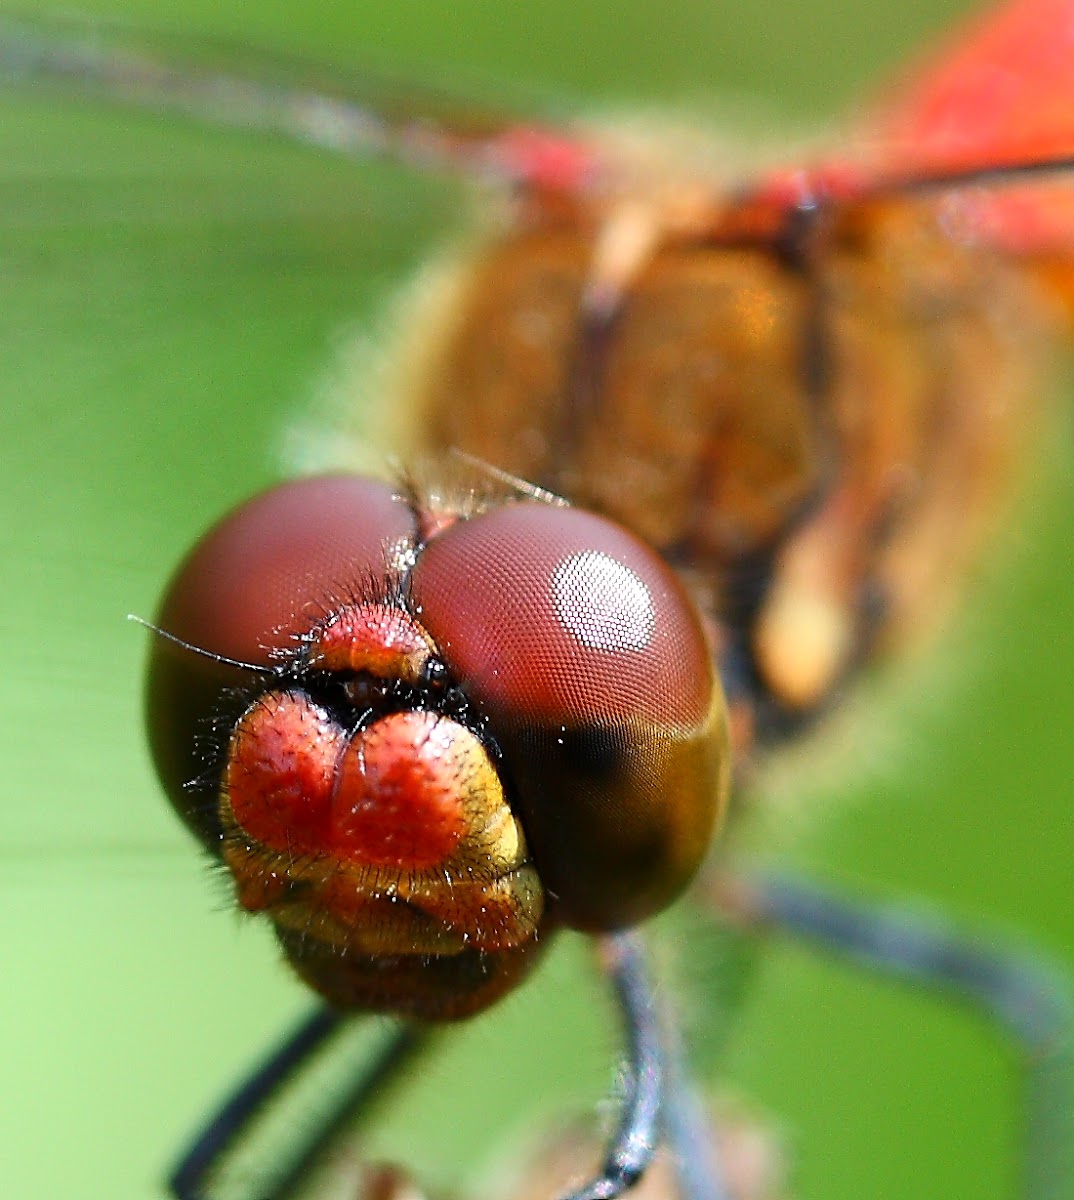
[638, 1133]
[1026, 998]
[192, 1176]
[664, 1104]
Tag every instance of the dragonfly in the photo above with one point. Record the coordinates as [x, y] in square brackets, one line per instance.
[140, 370]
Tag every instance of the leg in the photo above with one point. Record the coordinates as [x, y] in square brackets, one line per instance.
[688, 1130]
[638, 1134]
[686, 1127]
[192, 1176]
[1024, 997]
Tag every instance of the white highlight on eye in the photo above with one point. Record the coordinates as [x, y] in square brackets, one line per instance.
[603, 603]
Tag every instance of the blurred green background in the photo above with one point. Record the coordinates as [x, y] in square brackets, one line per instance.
[170, 300]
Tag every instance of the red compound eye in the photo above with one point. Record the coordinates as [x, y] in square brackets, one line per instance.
[259, 577]
[589, 659]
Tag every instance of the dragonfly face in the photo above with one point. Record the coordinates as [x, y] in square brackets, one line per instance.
[204, 298]
[442, 741]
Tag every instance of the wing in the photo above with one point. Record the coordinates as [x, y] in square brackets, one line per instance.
[360, 117]
[1001, 95]
[994, 107]
[983, 129]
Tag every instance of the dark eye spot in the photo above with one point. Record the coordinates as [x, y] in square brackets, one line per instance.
[593, 752]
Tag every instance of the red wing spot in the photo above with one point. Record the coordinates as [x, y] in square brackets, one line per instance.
[542, 158]
[281, 766]
[399, 800]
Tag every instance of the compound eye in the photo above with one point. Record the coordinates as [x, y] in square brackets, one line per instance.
[258, 579]
[264, 572]
[582, 648]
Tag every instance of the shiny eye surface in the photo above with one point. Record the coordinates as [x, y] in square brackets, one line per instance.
[256, 582]
[266, 571]
[588, 657]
